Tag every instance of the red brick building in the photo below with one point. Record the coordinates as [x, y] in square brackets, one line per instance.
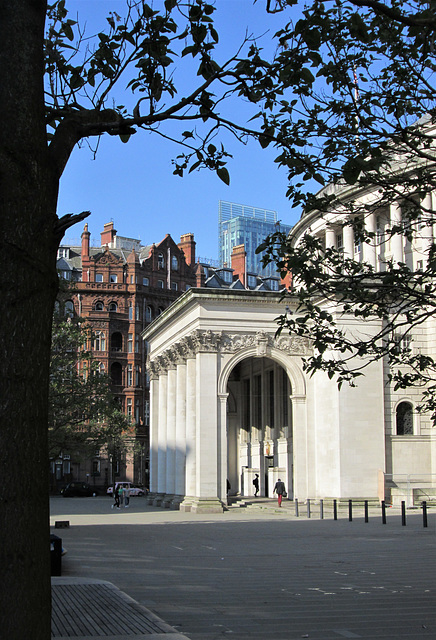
[119, 288]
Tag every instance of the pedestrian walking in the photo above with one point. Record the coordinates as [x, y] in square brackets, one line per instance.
[126, 495]
[256, 484]
[120, 494]
[280, 490]
[116, 498]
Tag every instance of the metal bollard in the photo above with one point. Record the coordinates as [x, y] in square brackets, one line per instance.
[366, 511]
[321, 509]
[383, 506]
[335, 510]
[350, 511]
[403, 513]
[424, 514]
[296, 507]
[308, 507]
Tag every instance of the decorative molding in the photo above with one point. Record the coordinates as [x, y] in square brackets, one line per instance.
[219, 342]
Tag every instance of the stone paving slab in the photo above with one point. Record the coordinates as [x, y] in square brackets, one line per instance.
[89, 608]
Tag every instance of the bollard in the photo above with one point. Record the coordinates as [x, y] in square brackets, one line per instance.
[321, 509]
[383, 506]
[335, 510]
[350, 511]
[403, 513]
[296, 507]
[424, 514]
[308, 507]
[366, 511]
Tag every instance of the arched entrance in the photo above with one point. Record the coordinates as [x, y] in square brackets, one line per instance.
[259, 426]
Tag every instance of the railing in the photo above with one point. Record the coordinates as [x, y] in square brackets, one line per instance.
[413, 489]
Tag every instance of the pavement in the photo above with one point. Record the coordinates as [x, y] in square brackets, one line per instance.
[255, 572]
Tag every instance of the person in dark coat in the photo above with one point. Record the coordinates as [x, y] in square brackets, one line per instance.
[256, 484]
[280, 490]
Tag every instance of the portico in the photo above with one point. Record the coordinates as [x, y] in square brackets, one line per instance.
[229, 399]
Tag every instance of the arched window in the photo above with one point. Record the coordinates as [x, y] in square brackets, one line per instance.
[116, 374]
[116, 341]
[174, 263]
[160, 310]
[99, 306]
[161, 261]
[113, 306]
[101, 368]
[148, 314]
[99, 341]
[404, 419]
[69, 309]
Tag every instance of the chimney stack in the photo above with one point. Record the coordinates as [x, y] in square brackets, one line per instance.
[187, 245]
[108, 234]
[239, 263]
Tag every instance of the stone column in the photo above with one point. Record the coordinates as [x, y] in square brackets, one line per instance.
[369, 249]
[397, 240]
[171, 437]
[299, 426]
[162, 440]
[349, 242]
[154, 448]
[191, 445]
[180, 489]
[222, 447]
[426, 232]
[330, 237]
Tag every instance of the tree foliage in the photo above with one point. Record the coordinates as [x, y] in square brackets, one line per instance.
[352, 108]
[83, 412]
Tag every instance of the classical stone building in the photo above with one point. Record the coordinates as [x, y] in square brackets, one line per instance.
[229, 400]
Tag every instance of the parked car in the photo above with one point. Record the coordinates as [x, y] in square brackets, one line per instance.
[78, 489]
[135, 489]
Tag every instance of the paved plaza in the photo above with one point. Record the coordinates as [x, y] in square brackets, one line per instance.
[259, 573]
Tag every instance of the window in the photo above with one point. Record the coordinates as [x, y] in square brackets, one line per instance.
[404, 419]
[147, 413]
[113, 277]
[69, 309]
[99, 341]
[99, 277]
[129, 408]
[419, 265]
[160, 310]
[145, 282]
[339, 243]
[116, 374]
[174, 286]
[136, 344]
[137, 411]
[161, 261]
[130, 375]
[174, 263]
[116, 341]
[160, 284]
[251, 282]
[113, 306]
[101, 368]
[130, 343]
[137, 376]
[274, 285]
[403, 342]
[137, 312]
[148, 314]
[130, 311]
[99, 306]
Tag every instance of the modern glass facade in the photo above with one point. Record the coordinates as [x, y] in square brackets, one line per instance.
[241, 224]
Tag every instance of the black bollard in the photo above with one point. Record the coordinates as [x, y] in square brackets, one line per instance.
[321, 509]
[366, 511]
[424, 514]
[335, 510]
[350, 511]
[308, 507]
[383, 506]
[403, 513]
[296, 507]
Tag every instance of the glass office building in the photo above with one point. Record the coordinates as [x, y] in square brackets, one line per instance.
[241, 224]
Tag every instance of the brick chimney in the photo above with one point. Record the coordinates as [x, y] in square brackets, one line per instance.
[239, 263]
[85, 253]
[108, 234]
[187, 245]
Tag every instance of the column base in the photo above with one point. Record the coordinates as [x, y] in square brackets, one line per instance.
[206, 505]
[158, 499]
[150, 497]
[187, 503]
[175, 502]
[166, 502]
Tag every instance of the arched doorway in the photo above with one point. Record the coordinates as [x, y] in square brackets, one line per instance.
[259, 426]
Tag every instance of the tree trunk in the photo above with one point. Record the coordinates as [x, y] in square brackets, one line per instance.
[28, 281]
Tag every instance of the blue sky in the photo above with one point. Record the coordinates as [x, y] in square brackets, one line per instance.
[133, 185]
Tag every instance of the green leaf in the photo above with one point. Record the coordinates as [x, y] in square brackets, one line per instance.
[125, 137]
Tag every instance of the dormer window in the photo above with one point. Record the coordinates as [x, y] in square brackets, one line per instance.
[174, 263]
[99, 277]
[161, 261]
[113, 278]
